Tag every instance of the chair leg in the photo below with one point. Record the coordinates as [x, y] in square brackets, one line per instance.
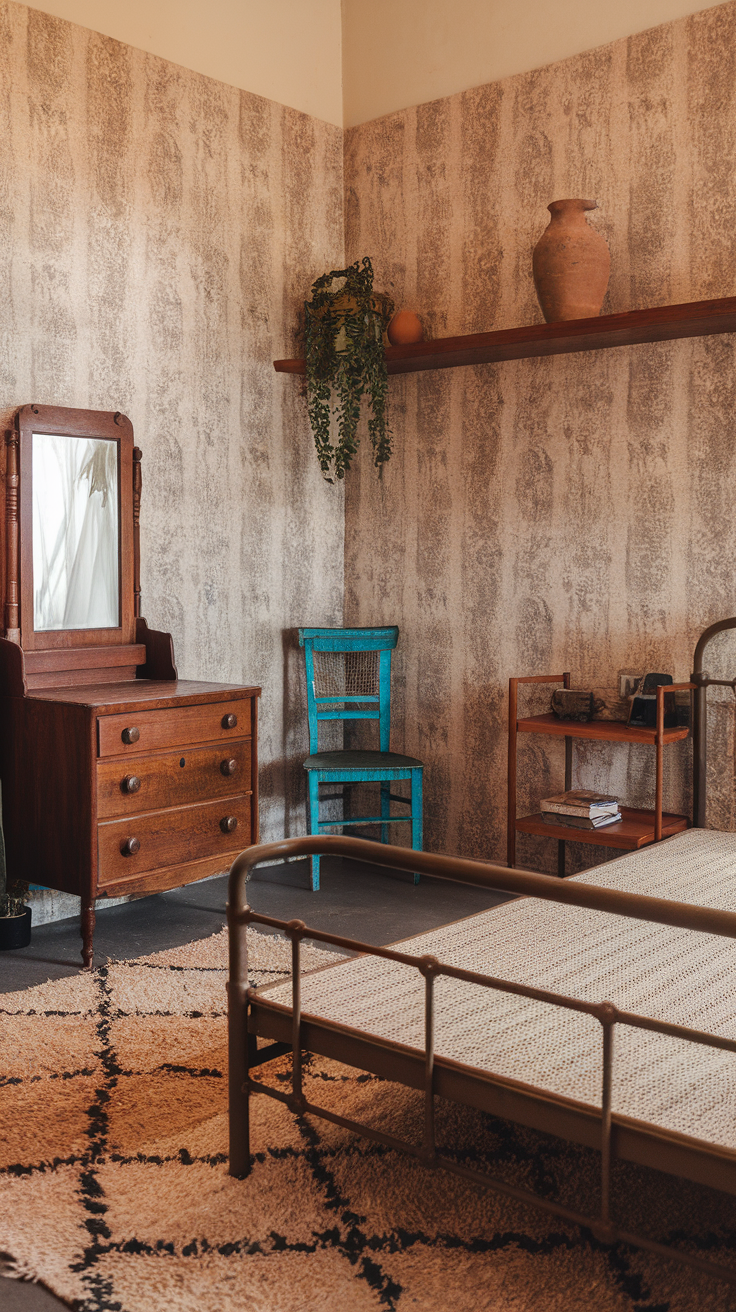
[385, 809]
[417, 836]
[314, 822]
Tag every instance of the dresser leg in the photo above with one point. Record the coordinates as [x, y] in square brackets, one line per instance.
[87, 930]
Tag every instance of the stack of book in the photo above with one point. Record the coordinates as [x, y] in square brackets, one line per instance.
[581, 809]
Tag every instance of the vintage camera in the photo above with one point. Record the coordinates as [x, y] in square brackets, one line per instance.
[643, 712]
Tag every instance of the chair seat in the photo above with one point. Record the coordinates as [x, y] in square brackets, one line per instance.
[361, 761]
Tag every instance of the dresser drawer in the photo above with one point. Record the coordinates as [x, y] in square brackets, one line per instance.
[149, 783]
[149, 731]
[169, 838]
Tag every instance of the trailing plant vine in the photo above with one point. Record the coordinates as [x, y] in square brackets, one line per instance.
[345, 362]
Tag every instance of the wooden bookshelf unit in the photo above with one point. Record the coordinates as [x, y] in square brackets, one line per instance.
[636, 828]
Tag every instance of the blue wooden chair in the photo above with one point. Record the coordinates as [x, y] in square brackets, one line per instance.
[349, 678]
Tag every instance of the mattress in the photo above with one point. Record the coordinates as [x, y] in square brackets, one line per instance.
[670, 974]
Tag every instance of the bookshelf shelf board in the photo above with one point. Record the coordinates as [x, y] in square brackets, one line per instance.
[635, 829]
[664, 323]
[610, 731]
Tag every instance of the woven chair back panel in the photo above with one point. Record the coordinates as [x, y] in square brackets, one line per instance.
[346, 673]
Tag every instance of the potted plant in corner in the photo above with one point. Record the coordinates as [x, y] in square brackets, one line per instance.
[344, 327]
[15, 918]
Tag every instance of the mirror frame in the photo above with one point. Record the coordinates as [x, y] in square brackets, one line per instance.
[75, 423]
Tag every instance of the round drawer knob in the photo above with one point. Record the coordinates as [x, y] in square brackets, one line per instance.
[131, 783]
[229, 721]
[130, 735]
[229, 767]
[228, 823]
[130, 846]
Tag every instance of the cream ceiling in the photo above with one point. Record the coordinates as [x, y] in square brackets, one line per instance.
[354, 61]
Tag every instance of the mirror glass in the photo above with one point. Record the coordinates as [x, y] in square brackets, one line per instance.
[75, 533]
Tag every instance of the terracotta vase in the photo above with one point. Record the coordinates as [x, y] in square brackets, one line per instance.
[571, 263]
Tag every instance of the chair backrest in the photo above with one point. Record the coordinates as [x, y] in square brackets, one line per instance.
[349, 677]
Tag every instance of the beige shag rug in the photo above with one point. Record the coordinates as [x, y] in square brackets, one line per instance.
[114, 1190]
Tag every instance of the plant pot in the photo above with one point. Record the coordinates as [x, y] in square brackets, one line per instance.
[571, 263]
[345, 305]
[15, 931]
[405, 328]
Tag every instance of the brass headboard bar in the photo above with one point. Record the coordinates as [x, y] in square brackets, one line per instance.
[700, 725]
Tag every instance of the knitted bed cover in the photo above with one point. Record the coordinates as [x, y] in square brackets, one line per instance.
[677, 975]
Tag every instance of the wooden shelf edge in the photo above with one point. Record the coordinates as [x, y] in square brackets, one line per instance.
[664, 323]
[607, 731]
[634, 830]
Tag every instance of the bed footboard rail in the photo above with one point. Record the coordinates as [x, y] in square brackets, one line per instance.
[244, 1055]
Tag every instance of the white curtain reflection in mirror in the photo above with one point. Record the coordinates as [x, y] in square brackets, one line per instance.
[75, 533]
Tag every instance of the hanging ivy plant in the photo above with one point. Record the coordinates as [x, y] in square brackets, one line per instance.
[345, 362]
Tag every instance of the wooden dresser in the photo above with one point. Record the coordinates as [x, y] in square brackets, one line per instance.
[117, 776]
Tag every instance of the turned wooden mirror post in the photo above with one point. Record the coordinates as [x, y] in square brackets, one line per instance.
[137, 486]
[12, 627]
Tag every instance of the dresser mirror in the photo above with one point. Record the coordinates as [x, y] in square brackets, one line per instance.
[75, 528]
[76, 532]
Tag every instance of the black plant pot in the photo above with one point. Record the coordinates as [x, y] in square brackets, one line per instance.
[15, 931]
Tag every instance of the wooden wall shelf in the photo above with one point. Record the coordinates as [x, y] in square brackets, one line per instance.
[609, 731]
[666, 323]
[635, 829]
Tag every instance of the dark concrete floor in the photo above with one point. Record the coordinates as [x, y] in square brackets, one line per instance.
[355, 900]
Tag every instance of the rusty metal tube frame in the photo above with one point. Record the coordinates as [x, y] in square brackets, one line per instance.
[632, 905]
[700, 725]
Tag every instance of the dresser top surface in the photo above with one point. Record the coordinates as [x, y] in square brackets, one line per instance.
[153, 694]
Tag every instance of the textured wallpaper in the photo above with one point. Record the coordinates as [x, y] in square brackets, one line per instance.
[158, 230]
[571, 513]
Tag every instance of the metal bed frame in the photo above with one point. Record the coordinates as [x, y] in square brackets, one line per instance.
[252, 1015]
